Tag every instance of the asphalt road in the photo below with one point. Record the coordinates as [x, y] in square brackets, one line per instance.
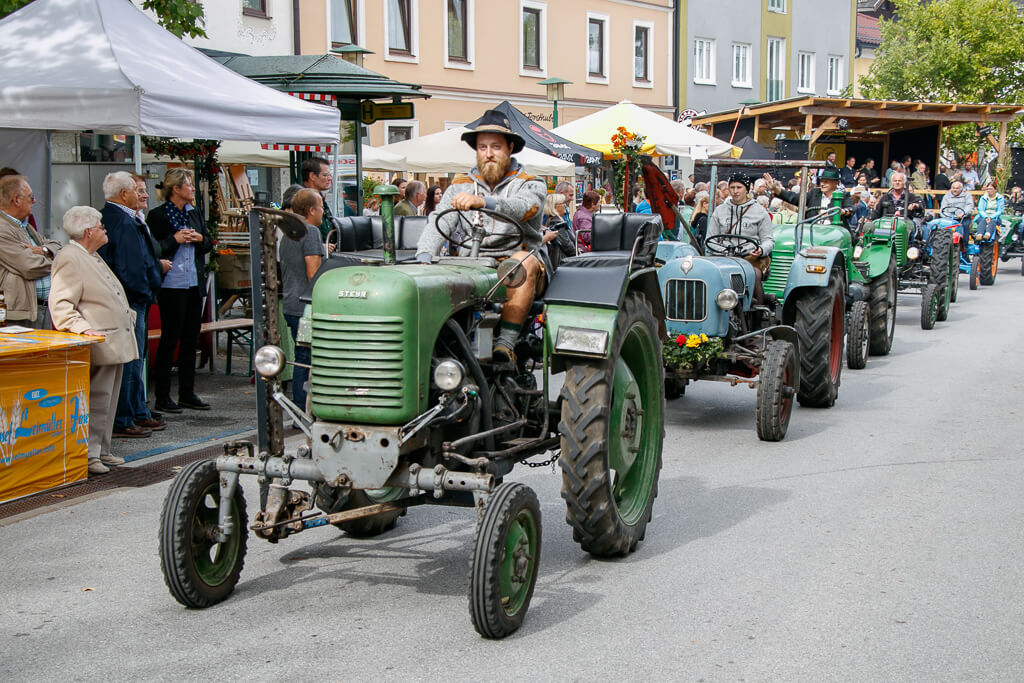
[881, 541]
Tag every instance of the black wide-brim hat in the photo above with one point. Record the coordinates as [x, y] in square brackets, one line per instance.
[493, 121]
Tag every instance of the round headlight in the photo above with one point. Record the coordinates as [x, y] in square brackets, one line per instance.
[913, 253]
[269, 361]
[727, 299]
[686, 265]
[857, 251]
[448, 375]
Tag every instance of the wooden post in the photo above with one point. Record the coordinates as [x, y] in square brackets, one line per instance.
[808, 123]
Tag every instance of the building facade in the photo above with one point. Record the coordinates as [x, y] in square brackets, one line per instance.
[249, 27]
[469, 55]
[747, 51]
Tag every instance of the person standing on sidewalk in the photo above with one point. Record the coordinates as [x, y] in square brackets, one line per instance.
[316, 175]
[25, 257]
[185, 241]
[86, 298]
[130, 255]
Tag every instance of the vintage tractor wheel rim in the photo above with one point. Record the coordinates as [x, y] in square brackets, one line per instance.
[639, 420]
[835, 358]
[519, 562]
[788, 392]
[213, 560]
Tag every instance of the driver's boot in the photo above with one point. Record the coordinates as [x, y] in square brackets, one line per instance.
[503, 352]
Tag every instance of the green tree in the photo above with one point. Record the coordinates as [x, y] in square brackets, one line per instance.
[951, 51]
[180, 17]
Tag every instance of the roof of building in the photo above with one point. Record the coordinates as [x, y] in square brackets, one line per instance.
[868, 31]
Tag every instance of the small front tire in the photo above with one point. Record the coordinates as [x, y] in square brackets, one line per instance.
[929, 306]
[776, 387]
[858, 336]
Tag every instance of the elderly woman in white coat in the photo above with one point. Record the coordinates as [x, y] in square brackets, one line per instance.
[87, 298]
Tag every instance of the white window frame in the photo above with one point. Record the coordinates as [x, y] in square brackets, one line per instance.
[470, 63]
[805, 86]
[414, 35]
[649, 25]
[542, 58]
[606, 52]
[781, 56]
[360, 23]
[710, 78]
[777, 6]
[836, 66]
[401, 123]
[744, 80]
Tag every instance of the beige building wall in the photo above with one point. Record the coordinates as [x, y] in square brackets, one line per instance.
[460, 92]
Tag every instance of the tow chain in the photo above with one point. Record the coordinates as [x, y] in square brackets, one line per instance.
[545, 463]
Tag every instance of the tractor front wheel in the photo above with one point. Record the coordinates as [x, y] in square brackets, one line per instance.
[775, 390]
[858, 336]
[503, 568]
[199, 569]
[612, 430]
[820, 321]
[975, 275]
[929, 306]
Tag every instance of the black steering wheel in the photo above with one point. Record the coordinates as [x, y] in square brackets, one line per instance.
[513, 240]
[729, 245]
[954, 212]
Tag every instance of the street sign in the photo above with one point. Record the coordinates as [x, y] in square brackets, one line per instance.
[371, 111]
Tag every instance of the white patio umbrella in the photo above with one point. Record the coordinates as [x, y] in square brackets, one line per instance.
[445, 152]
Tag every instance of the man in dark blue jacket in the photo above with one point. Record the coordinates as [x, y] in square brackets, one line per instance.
[130, 254]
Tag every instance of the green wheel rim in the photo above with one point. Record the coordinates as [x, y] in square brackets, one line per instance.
[214, 561]
[515, 575]
[635, 419]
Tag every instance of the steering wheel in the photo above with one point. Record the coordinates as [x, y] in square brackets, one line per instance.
[518, 238]
[954, 212]
[729, 245]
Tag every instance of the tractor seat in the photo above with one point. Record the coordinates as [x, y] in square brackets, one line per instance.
[617, 238]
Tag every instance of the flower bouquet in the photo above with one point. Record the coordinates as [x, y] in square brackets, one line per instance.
[687, 352]
[628, 146]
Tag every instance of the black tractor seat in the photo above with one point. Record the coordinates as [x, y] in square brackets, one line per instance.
[362, 237]
[617, 238]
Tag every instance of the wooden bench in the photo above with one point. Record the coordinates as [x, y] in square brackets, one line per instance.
[239, 331]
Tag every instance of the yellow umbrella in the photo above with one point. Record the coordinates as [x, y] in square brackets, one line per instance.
[663, 136]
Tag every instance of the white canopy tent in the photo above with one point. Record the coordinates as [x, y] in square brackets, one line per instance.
[104, 65]
[664, 136]
[252, 154]
[445, 152]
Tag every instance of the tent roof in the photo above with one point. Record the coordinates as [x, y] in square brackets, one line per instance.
[752, 150]
[104, 65]
[445, 152]
[664, 136]
[252, 154]
[539, 138]
[328, 74]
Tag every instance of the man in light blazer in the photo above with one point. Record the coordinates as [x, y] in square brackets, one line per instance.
[25, 257]
[87, 298]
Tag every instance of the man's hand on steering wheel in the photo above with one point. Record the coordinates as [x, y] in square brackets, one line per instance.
[466, 201]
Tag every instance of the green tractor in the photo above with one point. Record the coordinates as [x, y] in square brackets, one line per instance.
[408, 407]
[1011, 243]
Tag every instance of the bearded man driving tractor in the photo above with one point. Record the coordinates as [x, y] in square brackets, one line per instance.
[497, 183]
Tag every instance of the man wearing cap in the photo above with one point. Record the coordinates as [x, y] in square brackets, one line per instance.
[819, 199]
[740, 214]
[498, 183]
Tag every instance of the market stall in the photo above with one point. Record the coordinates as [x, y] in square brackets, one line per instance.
[44, 411]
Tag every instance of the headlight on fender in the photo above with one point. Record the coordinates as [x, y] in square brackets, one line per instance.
[269, 361]
[913, 253]
[857, 251]
[448, 375]
[727, 299]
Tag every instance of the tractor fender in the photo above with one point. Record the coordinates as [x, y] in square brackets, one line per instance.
[807, 273]
[877, 257]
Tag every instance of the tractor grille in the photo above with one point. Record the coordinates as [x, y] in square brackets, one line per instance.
[736, 282]
[358, 363]
[901, 247]
[686, 300]
[776, 283]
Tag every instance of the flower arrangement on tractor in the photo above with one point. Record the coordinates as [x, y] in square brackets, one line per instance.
[628, 146]
[686, 352]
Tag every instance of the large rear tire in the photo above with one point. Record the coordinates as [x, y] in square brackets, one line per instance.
[883, 310]
[954, 278]
[775, 390]
[988, 263]
[941, 268]
[503, 567]
[929, 306]
[820, 322]
[612, 431]
[858, 336]
[199, 570]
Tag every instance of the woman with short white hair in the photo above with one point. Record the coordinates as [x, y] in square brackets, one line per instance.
[87, 298]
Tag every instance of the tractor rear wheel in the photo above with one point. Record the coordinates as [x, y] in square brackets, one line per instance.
[503, 568]
[954, 279]
[988, 263]
[775, 390]
[820, 322]
[883, 310]
[929, 306]
[199, 569]
[858, 336]
[941, 268]
[612, 431]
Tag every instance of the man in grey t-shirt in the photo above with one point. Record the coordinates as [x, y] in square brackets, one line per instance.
[299, 262]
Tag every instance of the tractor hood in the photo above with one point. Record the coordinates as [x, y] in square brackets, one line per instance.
[690, 286]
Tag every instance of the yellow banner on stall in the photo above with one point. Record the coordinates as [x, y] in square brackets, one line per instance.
[44, 411]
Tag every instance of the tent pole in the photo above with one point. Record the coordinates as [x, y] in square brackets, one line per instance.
[138, 155]
[359, 166]
[334, 180]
